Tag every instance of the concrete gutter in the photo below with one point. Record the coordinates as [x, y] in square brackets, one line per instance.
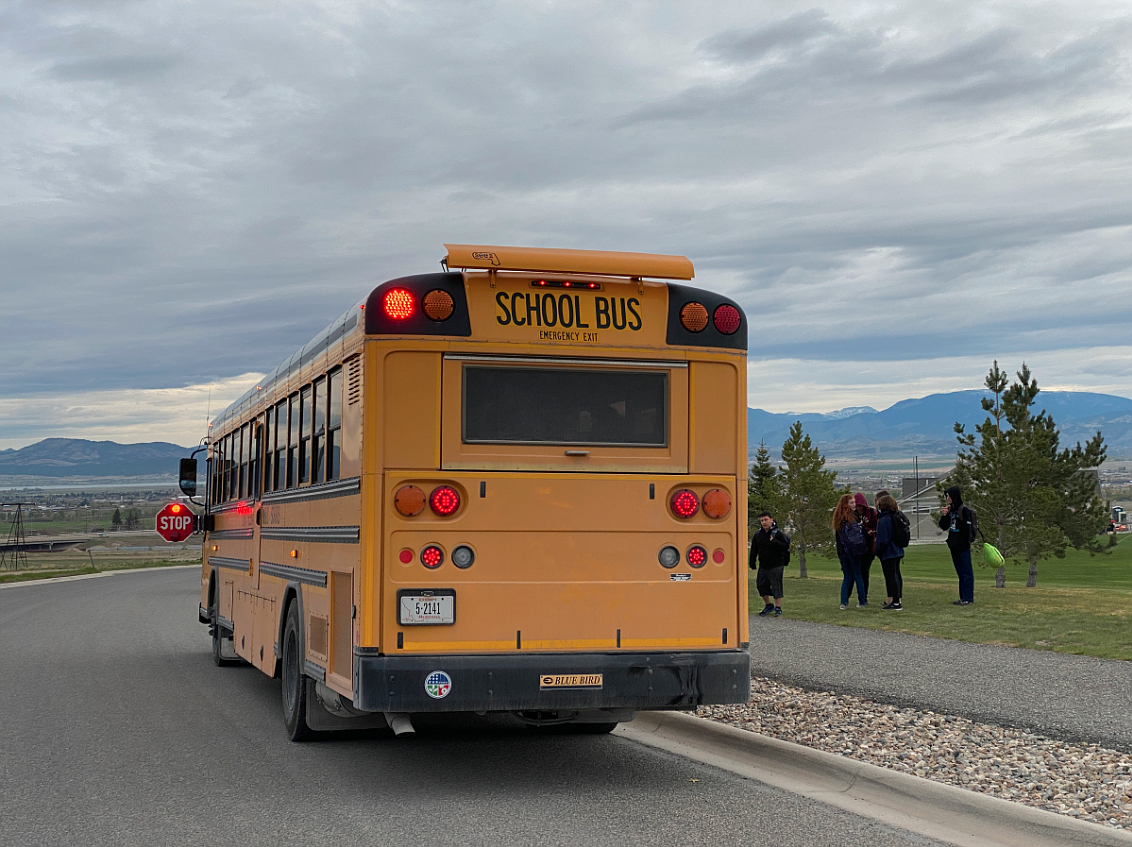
[98, 575]
[942, 812]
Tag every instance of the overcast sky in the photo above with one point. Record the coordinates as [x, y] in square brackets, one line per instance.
[897, 194]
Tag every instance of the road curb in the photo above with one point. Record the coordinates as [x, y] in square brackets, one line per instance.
[935, 810]
[79, 576]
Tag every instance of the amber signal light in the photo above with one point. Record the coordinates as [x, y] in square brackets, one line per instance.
[438, 305]
[409, 500]
[717, 503]
[693, 317]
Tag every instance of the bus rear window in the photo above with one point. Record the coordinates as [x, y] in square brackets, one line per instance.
[565, 406]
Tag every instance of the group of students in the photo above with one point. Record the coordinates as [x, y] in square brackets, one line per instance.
[863, 535]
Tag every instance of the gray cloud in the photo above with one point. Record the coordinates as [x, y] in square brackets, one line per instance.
[191, 191]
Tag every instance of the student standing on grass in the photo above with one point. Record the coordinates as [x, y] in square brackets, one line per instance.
[868, 518]
[889, 552]
[851, 547]
[956, 521]
[769, 549]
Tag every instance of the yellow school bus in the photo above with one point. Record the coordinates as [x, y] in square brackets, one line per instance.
[517, 485]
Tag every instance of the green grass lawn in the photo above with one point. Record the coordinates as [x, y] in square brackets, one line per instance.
[1081, 604]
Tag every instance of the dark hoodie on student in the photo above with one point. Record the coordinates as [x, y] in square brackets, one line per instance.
[957, 522]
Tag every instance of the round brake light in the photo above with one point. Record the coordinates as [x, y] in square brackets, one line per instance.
[398, 303]
[685, 503]
[444, 500]
[438, 305]
[727, 319]
[697, 556]
[432, 557]
[693, 317]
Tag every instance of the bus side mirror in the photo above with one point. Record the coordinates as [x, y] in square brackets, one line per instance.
[188, 477]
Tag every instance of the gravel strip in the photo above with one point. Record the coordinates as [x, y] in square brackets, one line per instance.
[1085, 781]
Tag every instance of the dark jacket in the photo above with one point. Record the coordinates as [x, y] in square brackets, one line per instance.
[768, 549]
[845, 556]
[886, 547]
[868, 520]
[957, 522]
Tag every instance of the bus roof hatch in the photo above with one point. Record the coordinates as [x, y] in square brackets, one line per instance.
[569, 261]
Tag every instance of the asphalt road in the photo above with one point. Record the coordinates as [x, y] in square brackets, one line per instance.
[1076, 698]
[118, 730]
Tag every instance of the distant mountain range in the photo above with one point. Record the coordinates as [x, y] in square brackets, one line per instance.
[925, 426]
[62, 457]
[911, 427]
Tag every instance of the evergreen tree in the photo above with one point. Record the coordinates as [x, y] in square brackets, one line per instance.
[116, 520]
[808, 496]
[1032, 497]
[762, 488]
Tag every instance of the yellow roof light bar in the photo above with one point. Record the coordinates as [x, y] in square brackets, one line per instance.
[569, 261]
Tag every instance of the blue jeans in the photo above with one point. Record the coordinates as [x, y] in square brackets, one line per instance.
[962, 561]
[851, 573]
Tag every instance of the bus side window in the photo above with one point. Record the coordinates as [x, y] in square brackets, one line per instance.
[266, 460]
[245, 451]
[334, 428]
[305, 435]
[256, 463]
[293, 445]
[280, 456]
[318, 440]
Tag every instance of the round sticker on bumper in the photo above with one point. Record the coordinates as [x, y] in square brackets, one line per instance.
[437, 685]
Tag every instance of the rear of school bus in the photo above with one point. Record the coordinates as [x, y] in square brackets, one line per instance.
[556, 468]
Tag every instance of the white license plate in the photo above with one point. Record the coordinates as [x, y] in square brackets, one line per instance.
[426, 609]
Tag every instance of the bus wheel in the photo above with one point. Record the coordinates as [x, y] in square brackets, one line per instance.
[592, 728]
[220, 656]
[294, 683]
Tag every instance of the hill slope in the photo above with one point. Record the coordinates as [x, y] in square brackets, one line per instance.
[924, 425]
[59, 457]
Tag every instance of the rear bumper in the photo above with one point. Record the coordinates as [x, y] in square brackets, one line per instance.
[514, 682]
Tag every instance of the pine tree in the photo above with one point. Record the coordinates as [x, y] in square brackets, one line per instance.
[762, 488]
[116, 519]
[1031, 496]
[808, 496]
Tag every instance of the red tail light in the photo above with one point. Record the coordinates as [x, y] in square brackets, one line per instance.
[398, 303]
[432, 557]
[444, 500]
[726, 319]
[685, 503]
[697, 556]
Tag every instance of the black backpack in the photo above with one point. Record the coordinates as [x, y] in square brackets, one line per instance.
[786, 560]
[901, 529]
[972, 525]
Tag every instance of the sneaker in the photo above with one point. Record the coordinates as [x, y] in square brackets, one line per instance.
[777, 612]
[843, 607]
[893, 606]
[766, 610]
[960, 602]
[862, 605]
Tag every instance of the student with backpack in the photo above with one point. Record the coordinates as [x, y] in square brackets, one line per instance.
[893, 535]
[961, 526]
[851, 548]
[770, 552]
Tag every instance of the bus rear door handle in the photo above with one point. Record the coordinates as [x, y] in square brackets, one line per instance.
[577, 452]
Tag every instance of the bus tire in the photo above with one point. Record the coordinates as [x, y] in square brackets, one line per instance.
[294, 687]
[592, 728]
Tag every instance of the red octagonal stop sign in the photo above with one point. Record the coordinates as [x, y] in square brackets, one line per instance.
[175, 522]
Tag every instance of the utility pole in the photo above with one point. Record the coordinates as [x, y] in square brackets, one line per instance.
[14, 550]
